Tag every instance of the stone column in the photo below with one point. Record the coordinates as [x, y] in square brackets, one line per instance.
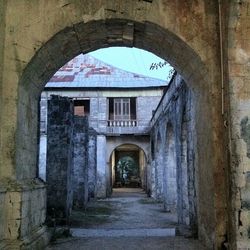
[43, 137]
[80, 161]
[92, 163]
[101, 166]
[59, 157]
[153, 177]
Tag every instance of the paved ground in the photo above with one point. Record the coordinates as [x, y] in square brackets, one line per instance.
[140, 243]
[124, 222]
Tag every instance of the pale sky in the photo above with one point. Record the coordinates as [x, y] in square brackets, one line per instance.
[133, 60]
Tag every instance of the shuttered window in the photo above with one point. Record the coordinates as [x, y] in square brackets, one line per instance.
[121, 109]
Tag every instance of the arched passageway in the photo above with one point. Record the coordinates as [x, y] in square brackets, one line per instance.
[191, 58]
[128, 166]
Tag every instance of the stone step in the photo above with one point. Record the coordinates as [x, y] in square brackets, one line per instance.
[141, 232]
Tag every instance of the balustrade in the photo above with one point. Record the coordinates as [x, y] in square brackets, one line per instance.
[122, 123]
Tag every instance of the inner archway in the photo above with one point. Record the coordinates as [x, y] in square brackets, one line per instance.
[128, 166]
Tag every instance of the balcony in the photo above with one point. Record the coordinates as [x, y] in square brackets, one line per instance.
[117, 127]
[122, 123]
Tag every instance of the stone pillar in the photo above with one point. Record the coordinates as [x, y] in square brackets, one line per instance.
[169, 173]
[101, 166]
[153, 177]
[42, 156]
[159, 173]
[80, 161]
[143, 169]
[43, 137]
[59, 157]
[92, 163]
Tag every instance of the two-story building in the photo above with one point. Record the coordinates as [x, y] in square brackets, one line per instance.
[119, 106]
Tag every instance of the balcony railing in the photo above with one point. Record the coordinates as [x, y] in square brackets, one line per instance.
[127, 126]
[120, 126]
[122, 123]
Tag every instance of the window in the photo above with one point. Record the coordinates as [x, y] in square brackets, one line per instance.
[122, 109]
[81, 107]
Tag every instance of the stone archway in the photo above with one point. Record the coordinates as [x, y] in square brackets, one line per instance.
[137, 154]
[191, 56]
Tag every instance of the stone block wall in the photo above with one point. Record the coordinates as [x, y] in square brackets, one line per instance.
[71, 157]
[24, 217]
[59, 156]
[42, 156]
[186, 33]
[102, 173]
[145, 106]
[237, 94]
[80, 161]
[143, 169]
[92, 156]
[84, 162]
[173, 167]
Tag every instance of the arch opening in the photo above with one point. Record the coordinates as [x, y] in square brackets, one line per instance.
[131, 34]
[128, 166]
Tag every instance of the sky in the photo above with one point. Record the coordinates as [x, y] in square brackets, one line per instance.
[134, 60]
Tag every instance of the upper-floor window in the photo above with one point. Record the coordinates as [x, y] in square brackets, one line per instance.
[81, 107]
[122, 109]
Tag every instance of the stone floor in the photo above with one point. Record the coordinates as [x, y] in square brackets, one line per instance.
[123, 243]
[124, 221]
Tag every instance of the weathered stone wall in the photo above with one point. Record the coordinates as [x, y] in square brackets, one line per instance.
[237, 65]
[72, 145]
[159, 168]
[147, 100]
[59, 171]
[145, 107]
[2, 215]
[2, 37]
[143, 169]
[84, 162]
[92, 161]
[80, 161]
[26, 202]
[41, 37]
[42, 156]
[173, 167]
[102, 173]
[94, 114]
[43, 136]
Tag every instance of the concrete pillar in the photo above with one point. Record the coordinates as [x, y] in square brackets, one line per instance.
[59, 157]
[169, 173]
[43, 137]
[42, 156]
[159, 173]
[92, 163]
[112, 162]
[143, 169]
[101, 166]
[80, 162]
[153, 177]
